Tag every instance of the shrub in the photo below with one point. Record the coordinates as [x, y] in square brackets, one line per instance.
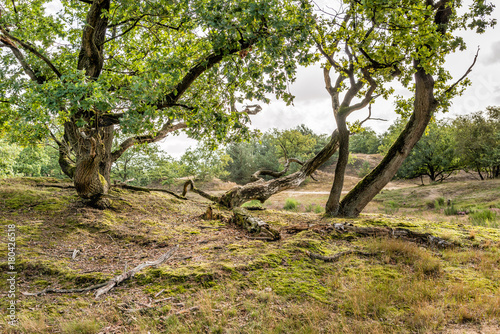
[365, 169]
[430, 205]
[291, 204]
[451, 211]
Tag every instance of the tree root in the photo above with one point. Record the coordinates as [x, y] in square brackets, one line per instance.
[426, 239]
[242, 218]
[337, 256]
[107, 286]
[148, 190]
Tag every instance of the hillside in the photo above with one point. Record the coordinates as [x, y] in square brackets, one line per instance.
[225, 280]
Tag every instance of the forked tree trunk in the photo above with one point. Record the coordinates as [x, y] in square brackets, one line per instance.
[425, 104]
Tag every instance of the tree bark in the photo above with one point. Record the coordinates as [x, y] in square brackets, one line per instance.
[425, 104]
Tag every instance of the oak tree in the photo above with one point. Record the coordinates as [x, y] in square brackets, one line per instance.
[143, 69]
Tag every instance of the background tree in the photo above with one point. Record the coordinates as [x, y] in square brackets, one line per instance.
[434, 155]
[205, 164]
[144, 69]
[478, 142]
[248, 157]
[8, 154]
[366, 141]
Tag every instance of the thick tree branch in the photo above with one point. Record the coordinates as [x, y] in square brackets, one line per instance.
[256, 176]
[20, 58]
[206, 64]
[368, 95]
[91, 57]
[30, 48]
[152, 138]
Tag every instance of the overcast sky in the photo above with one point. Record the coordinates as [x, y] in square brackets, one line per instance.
[312, 105]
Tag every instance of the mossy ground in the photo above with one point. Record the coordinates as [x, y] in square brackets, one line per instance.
[237, 284]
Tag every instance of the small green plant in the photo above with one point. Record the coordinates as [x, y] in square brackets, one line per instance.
[252, 203]
[439, 202]
[391, 207]
[451, 210]
[291, 204]
[484, 218]
[318, 209]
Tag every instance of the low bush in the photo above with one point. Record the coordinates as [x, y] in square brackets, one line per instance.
[291, 204]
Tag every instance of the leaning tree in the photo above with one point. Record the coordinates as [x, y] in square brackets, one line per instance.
[370, 45]
[141, 69]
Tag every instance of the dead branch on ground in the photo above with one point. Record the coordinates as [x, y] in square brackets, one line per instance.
[103, 288]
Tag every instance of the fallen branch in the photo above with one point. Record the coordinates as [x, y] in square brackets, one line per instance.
[337, 256]
[79, 290]
[189, 185]
[120, 278]
[103, 288]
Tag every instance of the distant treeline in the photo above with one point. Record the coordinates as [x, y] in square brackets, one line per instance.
[470, 143]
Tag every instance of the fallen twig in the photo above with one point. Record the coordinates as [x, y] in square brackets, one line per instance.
[120, 278]
[103, 288]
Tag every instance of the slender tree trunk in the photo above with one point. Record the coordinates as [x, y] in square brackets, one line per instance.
[425, 104]
[479, 172]
[332, 205]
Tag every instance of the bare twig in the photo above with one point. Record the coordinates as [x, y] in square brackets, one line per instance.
[120, 278]
[103, 288]
[465, 74]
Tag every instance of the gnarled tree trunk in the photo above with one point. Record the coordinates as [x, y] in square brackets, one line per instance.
[261, 190]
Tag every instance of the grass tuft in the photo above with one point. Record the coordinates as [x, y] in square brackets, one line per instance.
[485, 218]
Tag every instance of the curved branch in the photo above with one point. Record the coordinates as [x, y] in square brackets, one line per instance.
[465, 74]
[189, 185]
[20, 58]
[262, 190]
[164, 131]
[197, 70]
[255, 176]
